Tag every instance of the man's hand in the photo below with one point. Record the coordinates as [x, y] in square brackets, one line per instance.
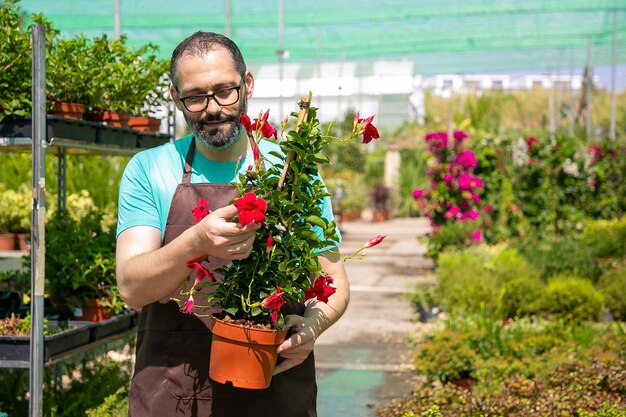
[222, 238]
[297, 347]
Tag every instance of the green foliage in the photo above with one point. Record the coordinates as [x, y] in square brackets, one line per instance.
[115, 405]
[80, 258]
[412, 176]
[488, 278]
[15, 61]
[612, 285]
[447, 356]
[605, 411]
[124, 79]
[15, 209]
[293, 214]
[572, 298]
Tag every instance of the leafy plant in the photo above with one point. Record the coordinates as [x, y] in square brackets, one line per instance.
[572, 298]
[612, 285]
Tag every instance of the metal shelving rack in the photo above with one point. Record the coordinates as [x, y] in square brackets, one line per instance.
[39, 143]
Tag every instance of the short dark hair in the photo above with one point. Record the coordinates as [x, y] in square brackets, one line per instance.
[202, 42]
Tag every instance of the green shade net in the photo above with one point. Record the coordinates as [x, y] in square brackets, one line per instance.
[443, 36]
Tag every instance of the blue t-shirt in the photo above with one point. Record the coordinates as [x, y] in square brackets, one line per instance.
[151, 176]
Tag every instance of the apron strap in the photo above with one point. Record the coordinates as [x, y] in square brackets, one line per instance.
[188, 162]
[189, 158]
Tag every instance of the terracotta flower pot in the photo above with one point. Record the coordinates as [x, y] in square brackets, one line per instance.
[144, 124]
[93, 311]
[114, 119]
[243, 356]
[68, 110]
[7, 241]
[22, 241]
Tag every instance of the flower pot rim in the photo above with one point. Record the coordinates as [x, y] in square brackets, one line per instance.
[245, 334]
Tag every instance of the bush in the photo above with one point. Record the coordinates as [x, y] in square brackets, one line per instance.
[612, 285]
[572, 299]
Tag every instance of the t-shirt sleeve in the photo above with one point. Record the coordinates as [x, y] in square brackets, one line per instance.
[137, 205]
[327, 213]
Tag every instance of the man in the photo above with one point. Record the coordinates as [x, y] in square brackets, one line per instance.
[210, 85]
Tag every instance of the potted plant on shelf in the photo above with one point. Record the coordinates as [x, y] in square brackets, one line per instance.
[15, 62]
[14, 218]
[80, 265]
[128, 82]
[69, 70]
[285, 195]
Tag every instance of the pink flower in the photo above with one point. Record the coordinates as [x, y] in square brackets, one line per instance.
[464, 182]
[320, 289]
[453, 211]
[448, 178]
[418, 192]
[596, 152]
[188, 307]
[488, 208]
[459, 135]
[469, 215]
[274, 303]
[375, 240]
[475, 197]
[467, 159]
[477, 182]
[251, 209]
[202, 272]
[477, 236]
[201, 210]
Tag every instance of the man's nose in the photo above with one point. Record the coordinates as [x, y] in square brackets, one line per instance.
[213, 106]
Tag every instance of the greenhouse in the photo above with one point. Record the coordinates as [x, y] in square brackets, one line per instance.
[456, 169]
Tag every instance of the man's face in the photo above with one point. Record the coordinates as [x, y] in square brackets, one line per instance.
[217, 126]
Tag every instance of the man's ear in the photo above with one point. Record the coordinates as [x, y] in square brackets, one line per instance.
[174, 95]
[249, 79]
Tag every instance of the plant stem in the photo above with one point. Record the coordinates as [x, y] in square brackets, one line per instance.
[304, 109]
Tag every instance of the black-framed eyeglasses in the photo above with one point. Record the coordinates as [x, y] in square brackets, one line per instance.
[199, 102]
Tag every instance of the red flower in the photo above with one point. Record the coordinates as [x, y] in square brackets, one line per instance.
[274, 303]
[188, 307]
[366, 128]
[262, 125]
[245, 122]
[202, 272]
[251, 209]
[320, 289]
[269, 244]
[532, 143]
[201, 210]
[375, 240]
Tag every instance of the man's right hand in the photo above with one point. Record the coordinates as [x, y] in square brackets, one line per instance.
[219, 236]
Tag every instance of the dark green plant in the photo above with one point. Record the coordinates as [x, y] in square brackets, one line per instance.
[80, 259]
[70, 69]
[572, 298]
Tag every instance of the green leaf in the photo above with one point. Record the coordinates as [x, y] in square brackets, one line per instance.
[316, 221]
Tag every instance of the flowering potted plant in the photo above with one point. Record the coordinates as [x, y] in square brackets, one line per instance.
[284, 192]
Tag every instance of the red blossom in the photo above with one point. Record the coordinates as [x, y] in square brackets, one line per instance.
[202, 272]
[375, 240]
[189, 305]
[532, 143]
[251, 209]
[366, 128]
[245, 122]
[269, 244]
[274, 303]
[201, 210]
[459, 135]
[262, 125]
[320, 289]
[453, 211]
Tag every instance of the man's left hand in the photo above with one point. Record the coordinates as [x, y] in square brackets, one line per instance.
[296, 348]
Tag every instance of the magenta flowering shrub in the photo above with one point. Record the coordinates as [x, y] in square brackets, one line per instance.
[453, 196]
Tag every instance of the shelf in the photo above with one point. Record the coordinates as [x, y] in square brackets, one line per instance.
[6, 254]
[81, 336]
[77, 137]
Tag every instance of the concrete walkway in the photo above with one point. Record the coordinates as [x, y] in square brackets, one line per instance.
[364, 360]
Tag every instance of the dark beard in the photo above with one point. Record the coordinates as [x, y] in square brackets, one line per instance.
[219, 137]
